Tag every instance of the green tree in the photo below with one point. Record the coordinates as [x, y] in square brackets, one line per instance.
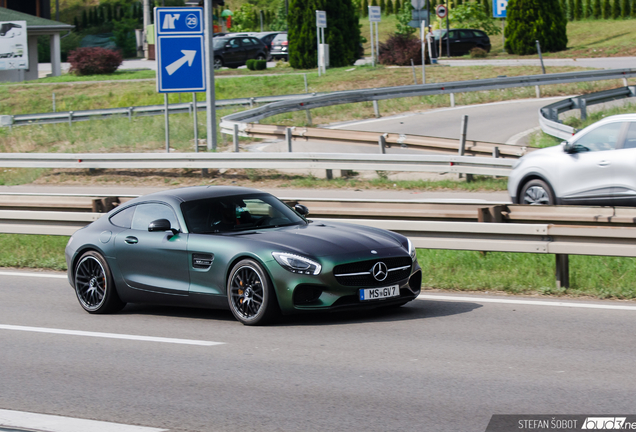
[570, 14]
[245, 18]
[398, 7]
[403, 18]
[365, 8]
[578, 10]
[342, 33]
[616, 9]
[473, 15]
[382, 6]
[389, 7]
[607, 9]
[531, 20]
[279, 21]
[596, 9]
[124, 36]
[486, 4]
[626, 9]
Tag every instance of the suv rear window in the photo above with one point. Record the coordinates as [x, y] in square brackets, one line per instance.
[280, 37]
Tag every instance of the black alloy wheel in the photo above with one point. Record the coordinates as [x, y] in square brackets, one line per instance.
[250, 294]
[218, 63]
[94, 285]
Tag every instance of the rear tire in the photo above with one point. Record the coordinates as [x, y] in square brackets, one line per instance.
[94, 285]
[218, 63]
[251, 295]
[537, 192]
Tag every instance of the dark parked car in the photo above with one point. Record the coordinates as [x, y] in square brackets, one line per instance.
[279, 47]
[239, 249]
[461, 41]
[237, 50]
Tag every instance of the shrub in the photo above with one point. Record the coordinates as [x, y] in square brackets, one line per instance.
[94, 61]
[260, 64]
[400, 49]
[250, 64]
[477, 52]
[532, 20]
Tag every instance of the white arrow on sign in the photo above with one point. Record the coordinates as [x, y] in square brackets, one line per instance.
[188, 56]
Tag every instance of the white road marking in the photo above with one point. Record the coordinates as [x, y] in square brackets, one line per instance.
[53, 423]
[110, 335]
[526, 302]
[33, 274]
[513, 140]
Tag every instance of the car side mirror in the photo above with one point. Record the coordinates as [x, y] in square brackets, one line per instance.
[160, 225]
[568, 147]
[301, 209]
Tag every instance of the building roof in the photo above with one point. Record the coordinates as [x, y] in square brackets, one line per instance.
[35, 25]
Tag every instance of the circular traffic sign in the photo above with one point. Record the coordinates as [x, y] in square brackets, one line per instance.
[441, 11]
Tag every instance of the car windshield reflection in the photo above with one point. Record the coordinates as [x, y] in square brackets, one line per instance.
[232, 214]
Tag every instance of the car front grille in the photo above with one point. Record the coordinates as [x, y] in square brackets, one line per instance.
[361, 273]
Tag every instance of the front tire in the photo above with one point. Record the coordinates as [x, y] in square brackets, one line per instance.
[94, 285]
[251, 295]
[218, 63]
[537, 192]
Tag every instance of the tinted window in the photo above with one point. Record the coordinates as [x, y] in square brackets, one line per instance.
[123, 218]
[630, 138]
[280, 37]
[234, 43]
[453, 34]
[147, 213]
[228, 214]
[479, 34]
[465, 34]
[602, 138]
[247, 42]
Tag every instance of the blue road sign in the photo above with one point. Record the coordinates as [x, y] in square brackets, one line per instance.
[499, 8]
[180, 50]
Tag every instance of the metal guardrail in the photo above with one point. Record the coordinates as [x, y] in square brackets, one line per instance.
[338, 161]
[133, 111]
[242, 119]
[430, 144]
[549, 115]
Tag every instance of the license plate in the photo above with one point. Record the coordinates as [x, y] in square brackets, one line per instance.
[379, 293]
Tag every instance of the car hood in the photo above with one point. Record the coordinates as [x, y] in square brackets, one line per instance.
[322, 239]
[548, 151]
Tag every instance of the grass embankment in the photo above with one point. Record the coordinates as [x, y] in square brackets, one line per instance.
[586, 38]
[602, 277]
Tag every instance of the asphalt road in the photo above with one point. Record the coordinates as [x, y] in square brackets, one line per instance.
[434, 365]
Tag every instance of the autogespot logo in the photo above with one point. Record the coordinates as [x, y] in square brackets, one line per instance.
[605, 423]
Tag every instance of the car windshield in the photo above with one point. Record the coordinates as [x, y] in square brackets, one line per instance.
[238, 213]
[280, 37]
[437, 33]
[220, 42]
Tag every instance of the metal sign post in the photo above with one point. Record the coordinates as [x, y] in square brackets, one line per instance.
[210, 96]
[180, 53]
[375, 16]
[499, 10]
[321, 24]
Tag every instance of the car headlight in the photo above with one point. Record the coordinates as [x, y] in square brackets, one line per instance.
[412, 251]
[297, 263]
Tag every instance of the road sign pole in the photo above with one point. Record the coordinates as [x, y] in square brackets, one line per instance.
[377, 41]
[423, 42]
[447, 33]
[209, 75]
[167, 115]
[318, 48]
[372, 46]
[196, 122]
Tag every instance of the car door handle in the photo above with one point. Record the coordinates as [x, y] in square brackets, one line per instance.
[603, 163]
[131, 240]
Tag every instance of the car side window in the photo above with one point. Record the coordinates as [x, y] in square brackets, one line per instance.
[452, 34]
[234, 43]
[149, 212]
[630, 138]
[465, 34]
[123, 219]
[247, 42]
[479, 34]
[602, 138]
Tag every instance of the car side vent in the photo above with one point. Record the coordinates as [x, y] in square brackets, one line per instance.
[202, 261]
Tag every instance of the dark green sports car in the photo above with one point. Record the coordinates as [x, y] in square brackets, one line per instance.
[236, 248]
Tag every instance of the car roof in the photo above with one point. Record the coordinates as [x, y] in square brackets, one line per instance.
[193, 193]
